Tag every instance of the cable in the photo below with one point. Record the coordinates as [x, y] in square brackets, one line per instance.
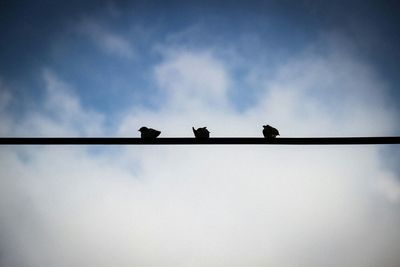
[193, 141]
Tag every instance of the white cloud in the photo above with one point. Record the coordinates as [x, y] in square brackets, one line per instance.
[330, 95]
[61, 114]
[193, 79]
[389, 185]
[5, 100]
[210, 206]
[108, 41]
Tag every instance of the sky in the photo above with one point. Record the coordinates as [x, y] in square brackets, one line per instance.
[106, 68]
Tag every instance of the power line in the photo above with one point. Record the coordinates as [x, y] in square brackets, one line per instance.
[192, 141]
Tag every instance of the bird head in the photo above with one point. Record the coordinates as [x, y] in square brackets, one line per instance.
[143, 129]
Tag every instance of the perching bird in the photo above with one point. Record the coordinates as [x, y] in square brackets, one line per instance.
[148, 133]
[270, 132]
[201, 133]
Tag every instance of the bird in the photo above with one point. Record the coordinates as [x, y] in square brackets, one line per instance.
[201, 133]
[270, 132]
[148, 133]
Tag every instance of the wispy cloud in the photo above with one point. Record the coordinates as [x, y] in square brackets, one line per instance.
[190, 79]
[5, 99]
[61, 113]
[106, 40]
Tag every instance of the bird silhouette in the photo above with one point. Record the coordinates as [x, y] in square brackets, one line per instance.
[201, 133]
[148, 133]
[270, 132]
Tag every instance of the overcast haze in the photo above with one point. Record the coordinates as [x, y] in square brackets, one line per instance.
[106, 68]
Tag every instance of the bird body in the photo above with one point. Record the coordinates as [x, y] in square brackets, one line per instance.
[201, 133]
[148, 133]
[270, 132]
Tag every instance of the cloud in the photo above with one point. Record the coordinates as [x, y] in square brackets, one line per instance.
[193, 79]
[389, 185]
[327, 95]
[209, 206]
[60, 115]
[5, 100]
[107, 41]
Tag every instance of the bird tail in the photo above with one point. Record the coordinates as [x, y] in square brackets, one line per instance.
[195, 132]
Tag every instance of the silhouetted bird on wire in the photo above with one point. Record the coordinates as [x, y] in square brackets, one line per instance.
[148, 133]
[270, 132]
[201, 133]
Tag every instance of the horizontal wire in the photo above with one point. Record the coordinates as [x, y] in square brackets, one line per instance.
[192, 141]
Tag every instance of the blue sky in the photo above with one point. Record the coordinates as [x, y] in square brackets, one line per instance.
[48, 35]
[106, 68]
